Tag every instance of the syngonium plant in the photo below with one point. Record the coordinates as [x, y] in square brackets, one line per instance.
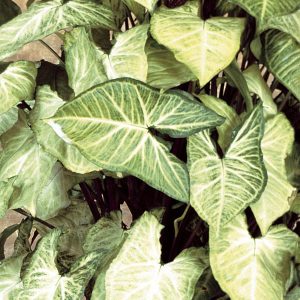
[185, 111]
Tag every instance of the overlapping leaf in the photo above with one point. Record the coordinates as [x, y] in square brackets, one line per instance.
[8, 119]
[206, 47]
[230, 183]
[252, 268]
[232, 120]
[279, 194]
[258, 86]
[137, 273]
[24, 168]
[46, 105]
[265, 9]
[149, 4]
[44, 18]
[10, 275]
[282, 55]
[17, 83]
[164, 71]
[111, 125]
[127, 57]
[83, 61]
[41, 279]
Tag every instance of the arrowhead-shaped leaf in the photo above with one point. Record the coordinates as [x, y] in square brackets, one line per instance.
[41, 279]
[127, 57]
[206, 47]
[262, 10]
[23, 161]
[278, 195]
[111, 125]
[83, 61]
[230, 183]
[44, 18]
[46, 104]
[282, 55]
[17, 83]
[248, 268]
[137, 272]
[164, 71]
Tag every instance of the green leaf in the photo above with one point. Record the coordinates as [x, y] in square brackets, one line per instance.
[44, 18]
[296, 204]
[83, 61]
[258, 86]
[8, 119]
[10, 275]
[8, 10]
[17, 83]
[24, 167]
[4, 235]
[127, 57]
[206, 47]
[230, 183]
[289, 23]
[46, 105]
[232, 119]
[294, 294]
[22, 245]
[137, 272]
[278, 195]
[149, 4]
[41, 279]
[282, 54]
[111, 125]
[164, 71]
[137, 9]
[248, 268]
[263, 10]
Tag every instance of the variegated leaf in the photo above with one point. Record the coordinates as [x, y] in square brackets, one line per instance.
[279, 194]
[164, 71]
[46, 104]
[111, 125]
[232, 119]
[137, 273]
[263, 10]
[17, 83]
[10, 275]
[232, 182]
[252, 268]
[83, 61]
[23, 161]
[127, 57]
[8, 119]
[44, 18]
[289, 23]
[282, 55]
[205, 47]
[258, 86]
[42, 281]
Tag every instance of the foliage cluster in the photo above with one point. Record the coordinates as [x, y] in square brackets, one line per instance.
[188, 112]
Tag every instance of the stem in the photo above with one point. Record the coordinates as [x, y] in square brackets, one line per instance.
[90, 200]
[53, 52]
[283, 103]
[26, 214]
[23, 105]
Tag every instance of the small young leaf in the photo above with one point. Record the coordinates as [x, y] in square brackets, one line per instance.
[230, 183]
[111, 123]
[248, 268]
